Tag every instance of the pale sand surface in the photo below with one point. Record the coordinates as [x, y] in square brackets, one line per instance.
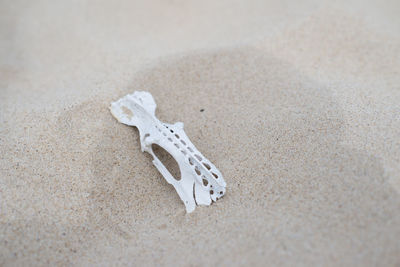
[301, 114]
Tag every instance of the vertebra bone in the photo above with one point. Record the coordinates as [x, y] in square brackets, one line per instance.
[201, 182]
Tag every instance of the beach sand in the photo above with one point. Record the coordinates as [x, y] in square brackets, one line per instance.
[300, 112]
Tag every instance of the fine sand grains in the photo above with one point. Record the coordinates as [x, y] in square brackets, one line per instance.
[296, 105]
[77, 189]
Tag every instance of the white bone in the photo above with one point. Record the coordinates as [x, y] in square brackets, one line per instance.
[197, 173]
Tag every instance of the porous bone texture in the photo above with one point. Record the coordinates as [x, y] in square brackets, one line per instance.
[200, 183]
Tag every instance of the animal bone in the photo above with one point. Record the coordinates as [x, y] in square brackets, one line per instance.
[201, 183]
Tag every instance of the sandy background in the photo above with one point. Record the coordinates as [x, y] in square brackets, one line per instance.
[301, 114]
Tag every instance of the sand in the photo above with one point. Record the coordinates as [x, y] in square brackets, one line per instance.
[301, 114]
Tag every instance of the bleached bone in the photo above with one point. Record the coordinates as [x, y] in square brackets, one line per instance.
[201, 182]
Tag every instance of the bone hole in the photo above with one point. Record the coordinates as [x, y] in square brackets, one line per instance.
[146, 135]
[177, 136]
[220, 193]
[190, 149]
[191, 161]
[197, 170]
[198, 157]
[172, 131]
[177, 146]
[205, 182]
[183, 152]
[183, 142]
[127, 112]
[207, 166]
[194, 193]
[170, 139]
[216, 176]
[168, 161]
[211, 192]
